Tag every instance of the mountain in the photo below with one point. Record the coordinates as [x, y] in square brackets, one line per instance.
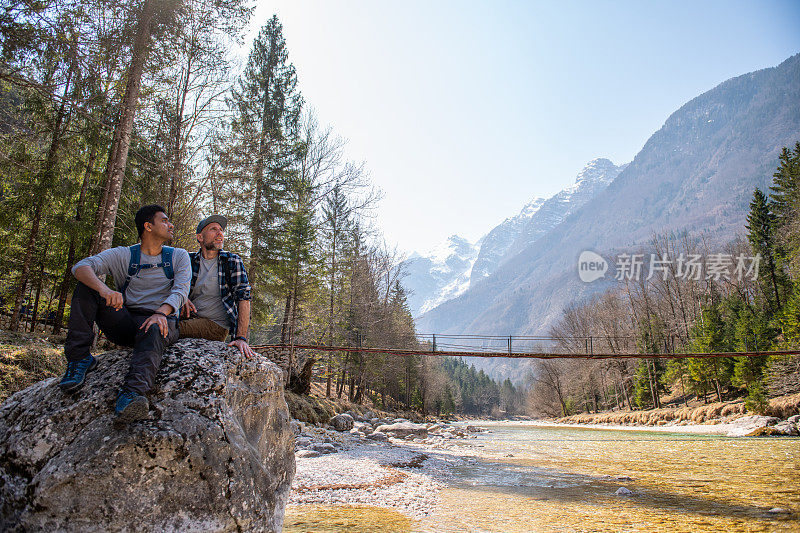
[450, 268]
[540, 216]
[696, 173]
[439, 274]
[497, 242]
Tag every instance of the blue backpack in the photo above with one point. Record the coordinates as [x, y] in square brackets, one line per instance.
[135, 265]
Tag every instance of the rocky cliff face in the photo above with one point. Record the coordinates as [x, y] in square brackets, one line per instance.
[216, 454]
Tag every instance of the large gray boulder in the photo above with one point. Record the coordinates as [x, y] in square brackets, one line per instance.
[216, 454]
[342, 422]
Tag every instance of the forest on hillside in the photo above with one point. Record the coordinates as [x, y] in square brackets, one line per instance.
[107, 106]
[729, 302]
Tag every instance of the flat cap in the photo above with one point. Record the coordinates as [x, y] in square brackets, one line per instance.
[219, 219]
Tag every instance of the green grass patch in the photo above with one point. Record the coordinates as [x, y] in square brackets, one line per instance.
[26, 359]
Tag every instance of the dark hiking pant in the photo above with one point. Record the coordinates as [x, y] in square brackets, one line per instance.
[121, 327]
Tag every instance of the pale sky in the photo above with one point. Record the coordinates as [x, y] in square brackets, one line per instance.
[464, 111]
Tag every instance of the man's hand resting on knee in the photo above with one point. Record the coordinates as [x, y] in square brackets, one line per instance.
[159, 318]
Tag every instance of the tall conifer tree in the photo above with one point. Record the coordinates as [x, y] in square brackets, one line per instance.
[761, 234]
[264, 139]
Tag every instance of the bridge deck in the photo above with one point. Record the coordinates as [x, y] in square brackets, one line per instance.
[521, 355]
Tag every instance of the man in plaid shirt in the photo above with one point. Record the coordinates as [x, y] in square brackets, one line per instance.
[219, 298]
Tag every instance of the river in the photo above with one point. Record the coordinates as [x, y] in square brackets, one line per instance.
[521, 477]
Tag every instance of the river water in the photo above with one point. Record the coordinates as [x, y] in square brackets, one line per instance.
[520, 477]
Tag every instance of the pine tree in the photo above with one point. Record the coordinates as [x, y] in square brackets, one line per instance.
[752, 333]
[708, 335]
[785, 197]
[761, 223]
[336, 219]
[263, 148]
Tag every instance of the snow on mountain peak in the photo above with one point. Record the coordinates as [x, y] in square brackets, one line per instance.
[532, 206]
[454, 245]
[598, 169]
[440, 274]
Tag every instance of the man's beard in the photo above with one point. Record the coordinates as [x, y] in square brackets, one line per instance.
[210, 246]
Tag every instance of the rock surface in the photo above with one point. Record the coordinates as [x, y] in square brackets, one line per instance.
[342, 422]
[403, 429]
[378, 435]
[746, 425]
[216, 454]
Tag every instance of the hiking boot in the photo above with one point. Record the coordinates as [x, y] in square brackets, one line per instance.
[76, 373]
[130, 406]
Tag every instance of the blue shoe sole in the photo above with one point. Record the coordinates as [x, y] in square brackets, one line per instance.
[136, 410]
[72, 387]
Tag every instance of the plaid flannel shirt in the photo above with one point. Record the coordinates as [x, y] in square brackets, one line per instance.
[233, 288]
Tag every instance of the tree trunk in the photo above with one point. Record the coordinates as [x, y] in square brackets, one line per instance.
[52, 294]
[22, 283]
[293, 319]
[342, 376]
[627, 395]
[360, 392]
[39, 282]
[330, 313]
[177, 135]
[287, 309]
[47, 177]
[66, 280]
[650, 383]
[124, 128]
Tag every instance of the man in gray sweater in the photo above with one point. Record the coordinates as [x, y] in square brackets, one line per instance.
[152, 283]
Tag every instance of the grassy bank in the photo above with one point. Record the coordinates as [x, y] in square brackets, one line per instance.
[316, 408]
[781, 407]
[27, 358]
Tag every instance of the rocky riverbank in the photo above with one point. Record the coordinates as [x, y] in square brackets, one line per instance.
[743, 426]
[780, 408]
[781, 418]
[382, 462]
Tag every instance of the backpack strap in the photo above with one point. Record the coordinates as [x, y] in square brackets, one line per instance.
[166, 261]
[226, 270]
[134, 265]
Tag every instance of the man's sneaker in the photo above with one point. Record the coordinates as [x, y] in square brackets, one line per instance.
[76, 373]
[131, 406]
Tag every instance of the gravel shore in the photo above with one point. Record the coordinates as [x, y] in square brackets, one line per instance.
[735, 427]
[401, 473]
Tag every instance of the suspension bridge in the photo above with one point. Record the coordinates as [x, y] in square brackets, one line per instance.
[531, 347]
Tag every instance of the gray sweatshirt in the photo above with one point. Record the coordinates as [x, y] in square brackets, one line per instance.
[150, 287]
